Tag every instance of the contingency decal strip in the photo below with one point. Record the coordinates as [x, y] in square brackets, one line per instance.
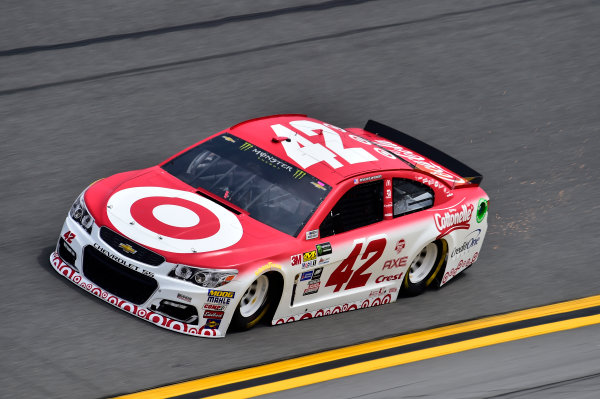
[385, 353]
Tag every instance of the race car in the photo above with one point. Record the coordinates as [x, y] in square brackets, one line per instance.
[274, 220]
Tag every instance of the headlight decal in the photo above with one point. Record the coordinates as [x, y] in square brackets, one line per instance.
[81, 215]
[208, 278]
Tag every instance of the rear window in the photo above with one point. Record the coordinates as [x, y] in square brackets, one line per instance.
[271, 190]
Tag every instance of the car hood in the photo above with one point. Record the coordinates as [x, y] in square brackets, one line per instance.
[164, 214]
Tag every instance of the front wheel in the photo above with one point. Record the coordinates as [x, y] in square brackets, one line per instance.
[424, 268]
[253, 305]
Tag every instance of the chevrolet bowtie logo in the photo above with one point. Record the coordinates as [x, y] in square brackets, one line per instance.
[127, 248]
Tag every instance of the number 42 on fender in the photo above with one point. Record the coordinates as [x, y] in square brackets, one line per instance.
[357, 278]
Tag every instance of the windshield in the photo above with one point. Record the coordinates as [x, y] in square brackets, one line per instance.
[269, 189]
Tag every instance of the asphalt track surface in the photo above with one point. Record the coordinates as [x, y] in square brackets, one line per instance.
[89, 89]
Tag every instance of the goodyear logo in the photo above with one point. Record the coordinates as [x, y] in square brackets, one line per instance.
[310, 255]
[222, 294]
[299, 174]
[246, 146]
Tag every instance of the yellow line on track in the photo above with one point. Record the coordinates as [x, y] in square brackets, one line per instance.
[374, 346]
[410, 357]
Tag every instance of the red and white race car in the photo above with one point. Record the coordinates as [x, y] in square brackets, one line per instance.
[276, 219]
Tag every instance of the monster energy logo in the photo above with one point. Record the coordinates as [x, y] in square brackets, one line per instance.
[299, 174]
[246, 146]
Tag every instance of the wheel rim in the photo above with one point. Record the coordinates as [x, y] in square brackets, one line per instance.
[254, 297]
[423, 263]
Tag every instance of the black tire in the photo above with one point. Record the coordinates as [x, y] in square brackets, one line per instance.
[416, 279]
[248, 314]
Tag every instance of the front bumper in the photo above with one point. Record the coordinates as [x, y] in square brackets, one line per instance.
[156, 287]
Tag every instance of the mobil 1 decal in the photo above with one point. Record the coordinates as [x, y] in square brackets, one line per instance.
[355, 270]
[173, 220]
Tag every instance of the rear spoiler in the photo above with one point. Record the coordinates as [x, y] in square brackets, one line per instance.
[424, 149]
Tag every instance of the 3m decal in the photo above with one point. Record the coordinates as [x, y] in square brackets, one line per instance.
[345, 273]
[323, 249]
[453, 219]
[68, 236]
[296, 259]
[306, 153]
[164, 219]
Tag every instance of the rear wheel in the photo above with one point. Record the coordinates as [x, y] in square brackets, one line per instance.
[424, 268]
[253, 305]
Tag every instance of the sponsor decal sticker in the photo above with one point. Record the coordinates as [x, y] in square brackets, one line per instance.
[382, 279]
[220, 297]
[317, 273]
[268, 266]
[471, 240]
[394, 263]
[308, 264]
[212, 306]
[319, 185]
[366, 179]
[222, 294]
[127, 248]
[164, 219]
[379, 292]
[213, 314]
[230, 139]
[400, 246]
[296, 259]
[213, 323]
[453, 219]
[324, 249]
[324, 261]
[299, 174]
[310, 255]
[463, 264]
[184, 297]
[306, 275]
[313, 287]
[246, 146]
[312, 234]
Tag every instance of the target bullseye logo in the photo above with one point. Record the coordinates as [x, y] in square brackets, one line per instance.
[173, 220]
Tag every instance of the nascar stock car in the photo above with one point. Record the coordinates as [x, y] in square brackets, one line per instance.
[276, 219]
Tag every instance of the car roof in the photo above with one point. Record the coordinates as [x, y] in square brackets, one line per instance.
[260, 132]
